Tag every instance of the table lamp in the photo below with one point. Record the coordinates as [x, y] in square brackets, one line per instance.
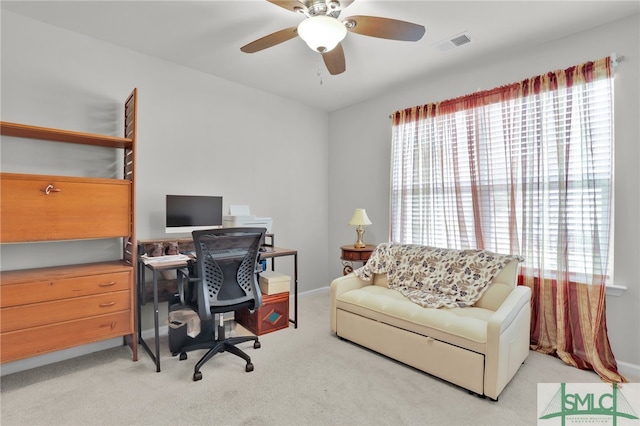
[359, 220]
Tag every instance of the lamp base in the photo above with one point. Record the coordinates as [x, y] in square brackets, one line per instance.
[360, 233]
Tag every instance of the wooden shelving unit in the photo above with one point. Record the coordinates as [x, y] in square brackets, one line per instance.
[48, 309]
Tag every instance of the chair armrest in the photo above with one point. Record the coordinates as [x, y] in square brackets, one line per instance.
[181, 275]
[508, 331]
[204, 307]
[341, 285]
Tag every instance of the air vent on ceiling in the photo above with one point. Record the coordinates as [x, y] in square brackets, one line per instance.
[452, 42]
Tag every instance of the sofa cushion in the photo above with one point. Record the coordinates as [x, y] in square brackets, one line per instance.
[464, 327]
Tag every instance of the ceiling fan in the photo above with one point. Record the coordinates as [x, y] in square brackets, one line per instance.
[323, 32]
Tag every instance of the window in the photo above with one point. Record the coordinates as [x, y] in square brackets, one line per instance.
[525, 168]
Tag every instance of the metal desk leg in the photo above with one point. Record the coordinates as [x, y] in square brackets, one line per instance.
[155, 319]
[154, 357]
[140, 300]
[295, 288]
[295, 284]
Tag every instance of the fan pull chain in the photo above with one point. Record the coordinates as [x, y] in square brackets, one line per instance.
[320, 75]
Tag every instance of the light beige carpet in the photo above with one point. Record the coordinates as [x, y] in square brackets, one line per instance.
[303, 376]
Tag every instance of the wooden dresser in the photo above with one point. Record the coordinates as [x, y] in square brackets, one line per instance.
[48, 309]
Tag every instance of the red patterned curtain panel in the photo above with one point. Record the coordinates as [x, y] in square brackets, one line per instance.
[524, 169]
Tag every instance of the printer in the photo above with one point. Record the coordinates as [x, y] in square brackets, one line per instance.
[240, 217]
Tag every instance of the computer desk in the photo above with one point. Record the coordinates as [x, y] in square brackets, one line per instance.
[182, 272]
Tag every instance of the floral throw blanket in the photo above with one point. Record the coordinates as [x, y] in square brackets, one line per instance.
[435, 277]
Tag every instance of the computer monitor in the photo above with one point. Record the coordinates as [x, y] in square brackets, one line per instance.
[187, 213]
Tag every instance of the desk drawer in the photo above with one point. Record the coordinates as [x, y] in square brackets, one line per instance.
[77, 208]
[62, 288]
[38, 314]
[39, 340]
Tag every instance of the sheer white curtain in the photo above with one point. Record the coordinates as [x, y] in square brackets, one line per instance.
[527, 169]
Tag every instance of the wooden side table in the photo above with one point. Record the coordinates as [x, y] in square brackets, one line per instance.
[351, 254]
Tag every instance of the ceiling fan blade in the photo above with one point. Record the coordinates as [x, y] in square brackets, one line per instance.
[391, 29]
[270, 40]
[292, 5]
[334, 60]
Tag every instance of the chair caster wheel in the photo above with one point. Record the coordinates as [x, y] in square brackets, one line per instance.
[249, 368]
[183, 356]
[197, 376]
[256, 345]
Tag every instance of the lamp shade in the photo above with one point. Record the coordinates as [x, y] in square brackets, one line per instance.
[360, 218]
[322, 33]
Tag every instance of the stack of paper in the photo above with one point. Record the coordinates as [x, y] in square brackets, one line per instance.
[160, 260]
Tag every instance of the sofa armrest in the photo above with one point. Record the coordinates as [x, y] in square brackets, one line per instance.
[519, 297]
[508, 331]
[341, 285]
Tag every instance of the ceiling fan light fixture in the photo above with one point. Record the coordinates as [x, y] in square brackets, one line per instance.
[322, 33]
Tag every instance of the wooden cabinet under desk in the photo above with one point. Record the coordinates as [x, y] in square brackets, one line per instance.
[48, 309]
[272, 315]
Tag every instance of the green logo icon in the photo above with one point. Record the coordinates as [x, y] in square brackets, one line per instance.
[587, 405]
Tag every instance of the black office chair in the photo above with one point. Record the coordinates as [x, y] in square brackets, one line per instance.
[227, 261]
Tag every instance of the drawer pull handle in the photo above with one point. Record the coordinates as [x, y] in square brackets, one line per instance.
[50, 188]
[111, 326]
[109, 284]
[106, 304]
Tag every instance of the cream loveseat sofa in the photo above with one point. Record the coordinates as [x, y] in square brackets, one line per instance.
[478, 336]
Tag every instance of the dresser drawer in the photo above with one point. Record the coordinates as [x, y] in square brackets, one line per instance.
[35, 341]
[38, 314]
[73, 208]
[50, 287]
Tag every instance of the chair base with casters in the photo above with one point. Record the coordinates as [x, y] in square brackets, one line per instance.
[219, 345]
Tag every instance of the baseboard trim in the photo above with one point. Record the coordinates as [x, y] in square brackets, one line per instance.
[630, 371]
[150, 333]
[314, 291]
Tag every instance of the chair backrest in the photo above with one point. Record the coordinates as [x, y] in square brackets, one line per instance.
[227, 260]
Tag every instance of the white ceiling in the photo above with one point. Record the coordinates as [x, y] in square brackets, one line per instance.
[207, 36]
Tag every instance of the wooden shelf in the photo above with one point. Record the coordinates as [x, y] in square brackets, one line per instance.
[50, 134]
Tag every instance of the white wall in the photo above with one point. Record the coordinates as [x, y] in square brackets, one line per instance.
[197, 134]
[359, 154]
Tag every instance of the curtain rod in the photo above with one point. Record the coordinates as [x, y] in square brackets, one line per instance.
[615, 61]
